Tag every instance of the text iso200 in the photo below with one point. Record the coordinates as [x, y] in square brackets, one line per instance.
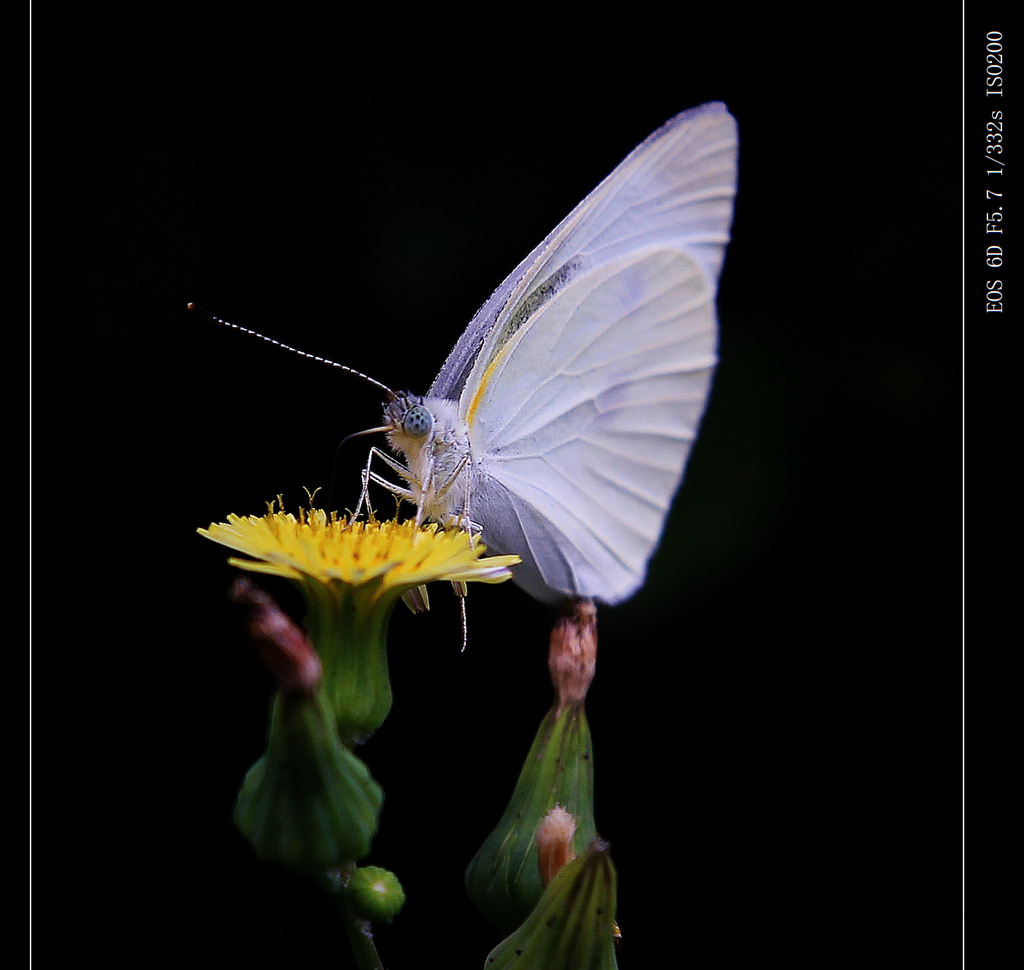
[994, 62]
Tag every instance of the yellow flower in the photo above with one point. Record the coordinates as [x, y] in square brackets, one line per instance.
[351, 574]
[390, 556]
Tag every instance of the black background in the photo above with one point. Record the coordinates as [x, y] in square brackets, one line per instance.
[776, 713]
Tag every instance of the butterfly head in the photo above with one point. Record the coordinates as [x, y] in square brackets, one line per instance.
[409, 422]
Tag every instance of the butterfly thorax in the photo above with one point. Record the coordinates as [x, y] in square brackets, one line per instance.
[434, 441]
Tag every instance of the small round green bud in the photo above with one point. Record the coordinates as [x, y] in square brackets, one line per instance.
[375, 894]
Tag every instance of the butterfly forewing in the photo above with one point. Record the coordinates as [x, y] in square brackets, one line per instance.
[677, 185]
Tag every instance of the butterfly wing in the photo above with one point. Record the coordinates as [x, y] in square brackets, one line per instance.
[583, 378]
[677, 184]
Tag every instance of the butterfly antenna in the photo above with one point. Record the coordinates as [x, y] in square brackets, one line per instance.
[206, 315]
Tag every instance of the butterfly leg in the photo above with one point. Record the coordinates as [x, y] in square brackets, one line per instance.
[461, 520]
[425, 489]
[368, 475]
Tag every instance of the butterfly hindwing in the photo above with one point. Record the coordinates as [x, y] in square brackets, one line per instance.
[588, 415]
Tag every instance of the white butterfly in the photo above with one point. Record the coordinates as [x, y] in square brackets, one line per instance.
[561, 422]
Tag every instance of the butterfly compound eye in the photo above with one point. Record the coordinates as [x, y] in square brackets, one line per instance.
[418, 421]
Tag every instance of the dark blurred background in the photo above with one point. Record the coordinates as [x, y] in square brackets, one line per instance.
[776, 713]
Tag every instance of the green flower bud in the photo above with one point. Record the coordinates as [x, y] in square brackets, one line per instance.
[309, 803]
[503, 879]
[573, 925]
[375, 894]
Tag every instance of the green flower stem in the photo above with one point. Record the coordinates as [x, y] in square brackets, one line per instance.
[360, 936]
[358, 930]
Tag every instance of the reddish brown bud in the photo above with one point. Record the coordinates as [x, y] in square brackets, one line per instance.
[554, 843]
[572, 655]
[284, 648]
